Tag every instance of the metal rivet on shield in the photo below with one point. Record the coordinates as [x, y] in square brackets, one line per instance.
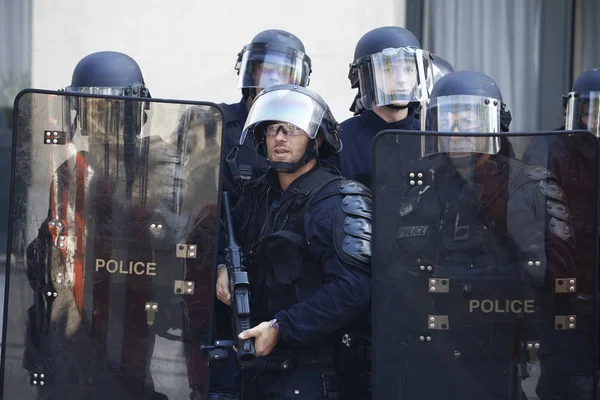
[48, 141]
[420, 174]
[49, 294]
[60, 274]
[159, 226]
[572, 288]
[432, 288]
[42, 376]
[296, 391]
[41, 383]
[47, 133]
[35, 375]
[538, 263]
[55, 134]
[571, 326]
[61, 245]
[54, 294]
[429, 268]
[530, 263]
[59, 281]
[571, 319]
[192, 254]
[537, 346]
[152, 226]
[572, 281]
[191, 247]
[53, 224]
[55, 141]
[59, 224]
[412, 175]
[422, 338]
[34, 383]
[154, 307]
[147, 306]
[61, 238]
[428, 338]
[189, 291]
[419, 183]
[422, 268]
[530, 346]
[412, 183]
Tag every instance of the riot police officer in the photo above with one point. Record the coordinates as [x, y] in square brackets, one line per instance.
[272, 57]
[475, 226]
[306, 234]
[391, 73]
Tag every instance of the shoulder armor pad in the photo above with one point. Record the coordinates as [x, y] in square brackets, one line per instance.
[352, 229]
[558, 210]
[552, 190]
[537, 173]
[358, 205]
[353, 187]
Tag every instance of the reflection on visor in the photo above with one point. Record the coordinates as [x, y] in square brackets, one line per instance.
[260, 68]
[285, 106]
[583, 112]
[462, 113]
[394, 76]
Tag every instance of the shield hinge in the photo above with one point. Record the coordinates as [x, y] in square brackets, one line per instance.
[565, 285]
[183, 250]
[37, 378]
[439, 285]
[565, 322]
[151, 310]
[184, 287]
[438, 322]
[55, 137]
[533, 347]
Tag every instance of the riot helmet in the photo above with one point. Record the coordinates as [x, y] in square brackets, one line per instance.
[466, 102]
[273, 57]
[390, 69]
[107, 73]
[583, 103]
[295, 110]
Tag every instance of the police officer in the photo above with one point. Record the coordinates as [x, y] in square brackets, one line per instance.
[390, 71]
[272, 57]
[306, 232]
[491, 220]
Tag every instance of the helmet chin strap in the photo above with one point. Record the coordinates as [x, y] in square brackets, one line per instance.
[290, 168]
[397, 107]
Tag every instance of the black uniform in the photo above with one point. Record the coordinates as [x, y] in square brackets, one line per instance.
[357, 133]
[309, 267]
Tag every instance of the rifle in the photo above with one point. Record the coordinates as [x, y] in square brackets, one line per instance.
[239, 287]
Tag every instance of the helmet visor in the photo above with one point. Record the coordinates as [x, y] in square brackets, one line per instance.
[583, 112]
[109, 91]
[287, 106]
[463, 113]
[262, 66]
[394, 77]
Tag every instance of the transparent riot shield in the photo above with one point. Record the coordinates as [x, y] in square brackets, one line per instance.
[485, 266]
[112, 245]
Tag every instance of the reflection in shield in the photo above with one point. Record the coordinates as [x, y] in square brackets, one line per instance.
[479, 289]
[101, 295]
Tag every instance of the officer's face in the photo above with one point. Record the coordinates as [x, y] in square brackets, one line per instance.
[285, 142]
[268, 74]
[400, 79]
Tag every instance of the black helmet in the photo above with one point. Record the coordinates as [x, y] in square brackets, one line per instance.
[108, 73]
[466, 101]
[583, 103]
[298, 106]
[389, 68]
[277, 52]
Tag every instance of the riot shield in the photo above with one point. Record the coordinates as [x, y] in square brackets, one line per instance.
[484, 266]
[114, 220]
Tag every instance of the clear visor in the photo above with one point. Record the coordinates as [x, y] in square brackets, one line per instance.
[287, 106]
[394, 77]
[262, 67]
[104, 118]
[583, 112]
[462, 113]
[109, 91]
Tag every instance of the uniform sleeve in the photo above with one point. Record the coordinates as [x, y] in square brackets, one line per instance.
[346, 291]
